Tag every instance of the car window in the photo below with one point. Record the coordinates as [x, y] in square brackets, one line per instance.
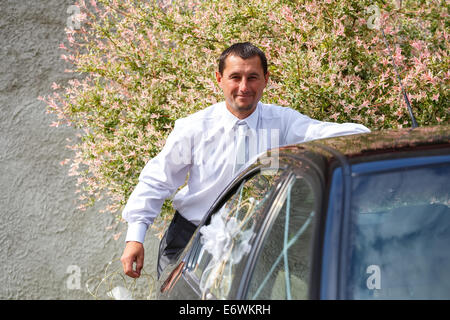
[228, 237]
[283, 265]
[400, 233]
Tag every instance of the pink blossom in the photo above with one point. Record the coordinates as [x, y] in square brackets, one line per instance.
[417, 45]
[334, 116]
[364, 104]
[64, 162]
[287, 12]
[340, 30]
[398, 57]
[70, 38]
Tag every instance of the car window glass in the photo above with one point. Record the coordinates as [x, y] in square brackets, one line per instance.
[229, 236]
[282, 268]
[400, 235]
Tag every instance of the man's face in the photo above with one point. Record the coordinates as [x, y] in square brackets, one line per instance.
[243, 83]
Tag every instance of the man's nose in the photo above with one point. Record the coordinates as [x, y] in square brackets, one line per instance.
[243, 86]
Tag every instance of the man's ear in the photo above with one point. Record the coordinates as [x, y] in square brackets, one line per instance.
[266, 77]
[219, 79]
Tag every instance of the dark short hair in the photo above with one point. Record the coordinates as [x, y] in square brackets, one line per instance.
[244, 50]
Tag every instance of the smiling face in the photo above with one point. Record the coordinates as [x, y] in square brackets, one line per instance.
[242, 82]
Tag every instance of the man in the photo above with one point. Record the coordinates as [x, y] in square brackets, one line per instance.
[207, 146]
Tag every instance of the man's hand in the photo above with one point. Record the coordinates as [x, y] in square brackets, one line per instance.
[133, 252]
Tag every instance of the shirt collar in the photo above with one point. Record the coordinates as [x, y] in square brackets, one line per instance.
[229, 119]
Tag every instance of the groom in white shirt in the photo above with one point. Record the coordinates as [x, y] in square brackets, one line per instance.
[213, 145]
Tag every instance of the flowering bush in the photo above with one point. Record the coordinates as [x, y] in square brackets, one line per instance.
[140, 65]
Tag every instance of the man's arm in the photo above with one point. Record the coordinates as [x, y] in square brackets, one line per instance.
[159, 179]
[302, 128]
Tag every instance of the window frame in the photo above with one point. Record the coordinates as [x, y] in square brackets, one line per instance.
[406, 162]
[316, 181]
[192, 255]
[272, 214]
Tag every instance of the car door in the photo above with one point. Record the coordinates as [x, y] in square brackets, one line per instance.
[284, 262]
[398, 229]
[259, 240]
[214, 260]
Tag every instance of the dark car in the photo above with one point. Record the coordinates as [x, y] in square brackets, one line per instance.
[363, 216]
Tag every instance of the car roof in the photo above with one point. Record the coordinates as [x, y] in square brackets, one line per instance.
[358, 146]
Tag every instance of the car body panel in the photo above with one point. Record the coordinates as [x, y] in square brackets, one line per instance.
[334, 163]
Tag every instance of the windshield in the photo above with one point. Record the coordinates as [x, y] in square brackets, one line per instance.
[400, 233]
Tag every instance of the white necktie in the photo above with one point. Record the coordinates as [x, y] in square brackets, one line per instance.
[241, 146]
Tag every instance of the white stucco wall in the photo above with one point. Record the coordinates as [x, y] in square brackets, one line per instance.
[41, 232]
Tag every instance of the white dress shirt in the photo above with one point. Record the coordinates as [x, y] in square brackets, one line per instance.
[202, 147]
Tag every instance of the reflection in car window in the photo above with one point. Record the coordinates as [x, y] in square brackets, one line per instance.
[229, 236]
[282, 269]
[400, 235]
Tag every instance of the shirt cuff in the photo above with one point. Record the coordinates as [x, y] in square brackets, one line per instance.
[136, 232]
